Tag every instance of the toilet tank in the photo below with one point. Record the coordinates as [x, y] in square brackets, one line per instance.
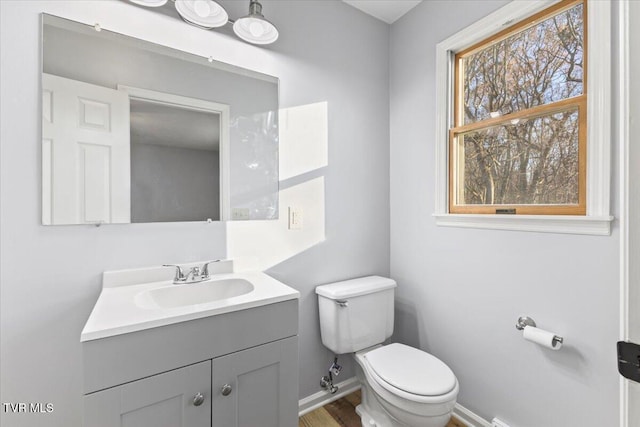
[356, 314]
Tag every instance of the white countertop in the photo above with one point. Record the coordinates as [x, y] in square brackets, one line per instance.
[116, 311]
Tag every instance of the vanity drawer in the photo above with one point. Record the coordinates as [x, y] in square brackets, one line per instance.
[115, 360]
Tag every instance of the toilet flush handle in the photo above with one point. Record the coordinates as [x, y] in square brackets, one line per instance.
[342, 303]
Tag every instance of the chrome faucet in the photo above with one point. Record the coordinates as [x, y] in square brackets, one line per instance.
[194, 275]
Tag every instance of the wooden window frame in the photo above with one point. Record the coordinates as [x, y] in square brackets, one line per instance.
[578, 103]
[598, 218]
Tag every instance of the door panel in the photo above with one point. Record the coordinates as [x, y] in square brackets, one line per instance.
[633, 302]
[85, 153]
[167, 412]
[94, 163]
[163, 400]
[264, 386]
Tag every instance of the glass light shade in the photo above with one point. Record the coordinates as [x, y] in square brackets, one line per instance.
[255, 29]
[202, 13]
[149, 3]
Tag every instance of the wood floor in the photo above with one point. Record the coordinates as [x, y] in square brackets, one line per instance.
[342, 413]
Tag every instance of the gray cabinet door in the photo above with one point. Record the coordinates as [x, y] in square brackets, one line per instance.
[163, 400]
[257, 387]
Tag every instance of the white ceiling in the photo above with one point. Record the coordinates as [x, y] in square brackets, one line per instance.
[385, 10]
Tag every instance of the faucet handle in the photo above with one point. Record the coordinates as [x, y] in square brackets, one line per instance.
[205, 267]
[179, 273]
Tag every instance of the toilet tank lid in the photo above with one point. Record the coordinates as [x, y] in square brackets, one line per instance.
[355, 287]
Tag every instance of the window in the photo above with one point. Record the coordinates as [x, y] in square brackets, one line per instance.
[515, 129]
[518, 144]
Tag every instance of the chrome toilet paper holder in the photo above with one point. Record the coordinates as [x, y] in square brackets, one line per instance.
[528, 321]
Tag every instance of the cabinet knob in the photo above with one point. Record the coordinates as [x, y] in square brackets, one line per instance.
[226, 390]
[198, 399]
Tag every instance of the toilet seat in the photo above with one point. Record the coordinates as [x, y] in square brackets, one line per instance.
[410, 373]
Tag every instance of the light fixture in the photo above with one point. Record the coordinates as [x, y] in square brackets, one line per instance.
[208, 14]
[202, 13]
[253, 28]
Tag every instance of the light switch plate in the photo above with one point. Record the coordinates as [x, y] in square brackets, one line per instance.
[239, 213]
[295, 218]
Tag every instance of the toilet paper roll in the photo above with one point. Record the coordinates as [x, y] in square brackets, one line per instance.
[542, 337]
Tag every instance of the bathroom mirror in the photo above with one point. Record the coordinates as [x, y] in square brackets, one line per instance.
[136, 132]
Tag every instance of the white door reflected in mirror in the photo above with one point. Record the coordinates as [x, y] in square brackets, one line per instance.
[85, 153]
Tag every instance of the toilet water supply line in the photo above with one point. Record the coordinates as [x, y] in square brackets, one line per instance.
[326, 382]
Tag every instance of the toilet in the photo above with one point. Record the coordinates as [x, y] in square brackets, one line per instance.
[401, 385]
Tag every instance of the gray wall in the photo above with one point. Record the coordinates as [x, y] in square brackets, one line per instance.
[329, 51]
[461, 290]
[50, 276]
[174, 184]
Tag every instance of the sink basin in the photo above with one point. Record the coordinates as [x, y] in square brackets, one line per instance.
[144, 298]
[193, 293]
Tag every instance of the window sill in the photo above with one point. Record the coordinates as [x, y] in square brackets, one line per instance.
[565, 224]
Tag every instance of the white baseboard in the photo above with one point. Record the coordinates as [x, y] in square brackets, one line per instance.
[471, 419]
[350, 385]
[322, 397]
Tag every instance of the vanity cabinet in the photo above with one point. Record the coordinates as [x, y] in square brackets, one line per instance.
[244, 364]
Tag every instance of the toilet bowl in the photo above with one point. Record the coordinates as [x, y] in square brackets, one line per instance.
[404, 386]
[401, 386]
